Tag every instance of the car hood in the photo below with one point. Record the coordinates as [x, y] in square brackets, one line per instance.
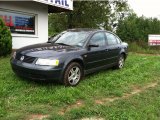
[46, 50]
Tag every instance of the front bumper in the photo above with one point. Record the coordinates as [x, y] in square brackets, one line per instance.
[36, 72]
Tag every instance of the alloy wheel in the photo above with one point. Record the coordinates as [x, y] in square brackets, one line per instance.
[121, 62]
[74, 75]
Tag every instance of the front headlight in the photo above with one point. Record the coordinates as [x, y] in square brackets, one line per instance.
[48, 62]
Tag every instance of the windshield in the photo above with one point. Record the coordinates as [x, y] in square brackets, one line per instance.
[72, 38]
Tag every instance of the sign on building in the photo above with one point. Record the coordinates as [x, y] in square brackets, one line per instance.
[154, 40]
[66, 4]
[19, 23]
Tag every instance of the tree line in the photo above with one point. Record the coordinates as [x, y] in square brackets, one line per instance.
[137, 29]
[112, 15]
[89, 14]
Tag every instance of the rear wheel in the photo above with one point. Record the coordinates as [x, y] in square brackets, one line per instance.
[121, 61]
[73, 74]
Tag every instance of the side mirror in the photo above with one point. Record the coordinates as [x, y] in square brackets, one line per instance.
[51, 38]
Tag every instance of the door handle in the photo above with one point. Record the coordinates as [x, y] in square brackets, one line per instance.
[106, 49]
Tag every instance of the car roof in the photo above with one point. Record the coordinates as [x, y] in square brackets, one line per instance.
[84, 29]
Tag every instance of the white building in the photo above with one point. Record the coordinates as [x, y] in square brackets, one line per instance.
[28, 20]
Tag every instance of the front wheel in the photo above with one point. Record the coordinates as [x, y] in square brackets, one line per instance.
[73, 74]
[121, 61]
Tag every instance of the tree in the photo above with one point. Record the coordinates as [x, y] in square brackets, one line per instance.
[136, 29]
[57, 23]
[5, 39]
[89, 14]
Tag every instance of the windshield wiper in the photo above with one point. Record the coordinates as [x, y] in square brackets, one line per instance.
[62, 44]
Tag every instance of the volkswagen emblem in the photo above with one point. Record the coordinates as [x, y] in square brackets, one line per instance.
[22, 58]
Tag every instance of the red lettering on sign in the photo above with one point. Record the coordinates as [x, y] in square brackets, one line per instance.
[8, 21]
[23, 28]
[154, 42]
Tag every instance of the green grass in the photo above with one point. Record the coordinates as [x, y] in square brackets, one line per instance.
[20, 98]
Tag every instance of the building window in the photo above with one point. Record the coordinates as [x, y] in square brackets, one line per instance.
[19, 23]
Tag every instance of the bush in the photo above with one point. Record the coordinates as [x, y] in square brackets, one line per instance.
[142, 47]
[137, 29]
[5, 39]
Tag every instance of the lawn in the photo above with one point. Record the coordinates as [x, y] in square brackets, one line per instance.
[130, 93]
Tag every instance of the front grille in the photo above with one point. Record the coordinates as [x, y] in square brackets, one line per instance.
[30, 75]
[18, 56]
[27, 59]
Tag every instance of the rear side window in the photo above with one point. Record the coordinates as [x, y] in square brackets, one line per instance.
[98, 39]
[111, 39]
[118, 40]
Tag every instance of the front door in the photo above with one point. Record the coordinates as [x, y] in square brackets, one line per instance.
[96, 55]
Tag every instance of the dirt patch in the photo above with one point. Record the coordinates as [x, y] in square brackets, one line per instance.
[37, 117]
[136, 90]
[92, 118]
[78, 104]
[99, 101]
[105, 100]
[152, 85]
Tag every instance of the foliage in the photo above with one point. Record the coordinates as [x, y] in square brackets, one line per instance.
[5, 39]
[57, 23]
[89, 14]
[136, 29]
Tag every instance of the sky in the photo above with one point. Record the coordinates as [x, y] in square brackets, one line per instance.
[148, 8]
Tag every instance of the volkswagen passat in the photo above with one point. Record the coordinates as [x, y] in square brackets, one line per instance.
[70, 55]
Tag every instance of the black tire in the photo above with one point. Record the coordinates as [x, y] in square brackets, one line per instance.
[73, 79]
[121, 61]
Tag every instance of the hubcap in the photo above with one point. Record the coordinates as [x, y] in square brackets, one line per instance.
[74, 75]
[121, 62]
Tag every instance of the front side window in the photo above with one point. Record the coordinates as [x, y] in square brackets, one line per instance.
[111, 39]
[98, 39]
[18, 22]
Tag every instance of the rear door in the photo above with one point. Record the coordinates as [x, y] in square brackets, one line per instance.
[113, 48]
